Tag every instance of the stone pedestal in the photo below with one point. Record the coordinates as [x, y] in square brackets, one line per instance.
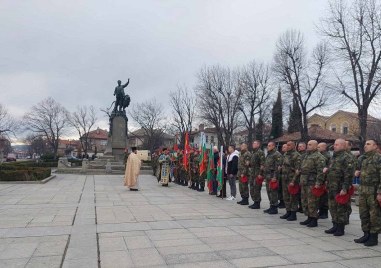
[117, 142]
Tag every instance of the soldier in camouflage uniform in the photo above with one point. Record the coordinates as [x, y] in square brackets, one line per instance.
[179, 167]
[194, 159]
[291, 162]
[280, 189]
[356, 166]
[311, 175]
[273, 162]
[370, 195]
[203, 176]
[339, 176]
[302, 146]
[190, 169]
[323, 206]
[256, 164]
[244, 173]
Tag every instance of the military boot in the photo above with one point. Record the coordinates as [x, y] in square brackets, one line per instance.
[285, 216]
[292, 216]
[306, 221]
[372, 241]
[340, 230]
[196, 186]
[281, 204]
[245, 201]
[332, 230]
[256, 205]
[273, 210]
[201, 189]
[267, 210]
[362, 239]
[313, 223]
[240, 202]
[323, 214]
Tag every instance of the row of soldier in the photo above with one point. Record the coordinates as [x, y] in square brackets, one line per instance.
[307, 179]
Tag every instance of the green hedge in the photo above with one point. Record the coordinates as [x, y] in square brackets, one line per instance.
[24, 164]
[28, 174]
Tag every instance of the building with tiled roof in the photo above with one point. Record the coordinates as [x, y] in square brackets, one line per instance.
[318, 133]
[346, 123]
[97, 140]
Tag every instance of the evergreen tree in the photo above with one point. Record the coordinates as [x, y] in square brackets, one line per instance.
[259, 129]
[295, 120]
[277, 118]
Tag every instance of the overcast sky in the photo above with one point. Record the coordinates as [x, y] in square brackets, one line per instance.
[76, 50]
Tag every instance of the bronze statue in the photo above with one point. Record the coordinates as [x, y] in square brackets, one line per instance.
[122, 100]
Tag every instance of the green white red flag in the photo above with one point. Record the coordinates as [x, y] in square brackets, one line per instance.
[209, 175]
[220, 172]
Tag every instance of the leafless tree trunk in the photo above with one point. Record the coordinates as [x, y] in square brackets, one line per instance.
[254, 81]
[47, 119]
[183, 105]
[354, 32]
[303, 77]
[218, 100]
[149, 115]
[83, 119]
[8, 125]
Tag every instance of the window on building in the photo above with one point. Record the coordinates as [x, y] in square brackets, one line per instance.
[212, 139]
[333, 127]
[345, 128]
[206, 138]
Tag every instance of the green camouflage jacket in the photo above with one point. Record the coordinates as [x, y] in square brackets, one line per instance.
[244, 163]
[340, 172]
[257, 160]
[371, 170]
[311, 168]
[272, 163]
[291, 162]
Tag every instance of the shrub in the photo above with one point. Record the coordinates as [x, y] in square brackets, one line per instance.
[28, 174]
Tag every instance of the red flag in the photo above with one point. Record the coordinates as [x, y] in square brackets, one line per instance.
[203, 158]
[175, 147]
[186, 151]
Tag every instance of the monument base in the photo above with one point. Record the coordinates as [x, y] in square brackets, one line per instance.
[117, 141]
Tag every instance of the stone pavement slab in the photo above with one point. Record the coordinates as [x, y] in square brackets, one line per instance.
[94, 221]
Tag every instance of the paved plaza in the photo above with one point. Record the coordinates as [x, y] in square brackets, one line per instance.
[93, 221]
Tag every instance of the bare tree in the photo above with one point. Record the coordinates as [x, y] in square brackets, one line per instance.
[83, 119]
[254, 82]
[37, 145]
[8, 125]
[354, 32]
[150, 117]
[183, 105]
[303, 76]
[219, 96]
[47, 119]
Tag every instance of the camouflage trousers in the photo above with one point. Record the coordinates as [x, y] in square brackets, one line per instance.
[255, 189]
[339, 213]
[202, 179]
[291, 201]
[244, 189]
[272, 194]
[370, 211]
[310, 203]
[280, 189]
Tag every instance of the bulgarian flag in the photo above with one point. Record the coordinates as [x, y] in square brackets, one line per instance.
[220, 173]
[209, 175]
[203, 156]
[186, 151]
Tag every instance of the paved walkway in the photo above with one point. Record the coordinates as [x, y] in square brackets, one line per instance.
[93, 221]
